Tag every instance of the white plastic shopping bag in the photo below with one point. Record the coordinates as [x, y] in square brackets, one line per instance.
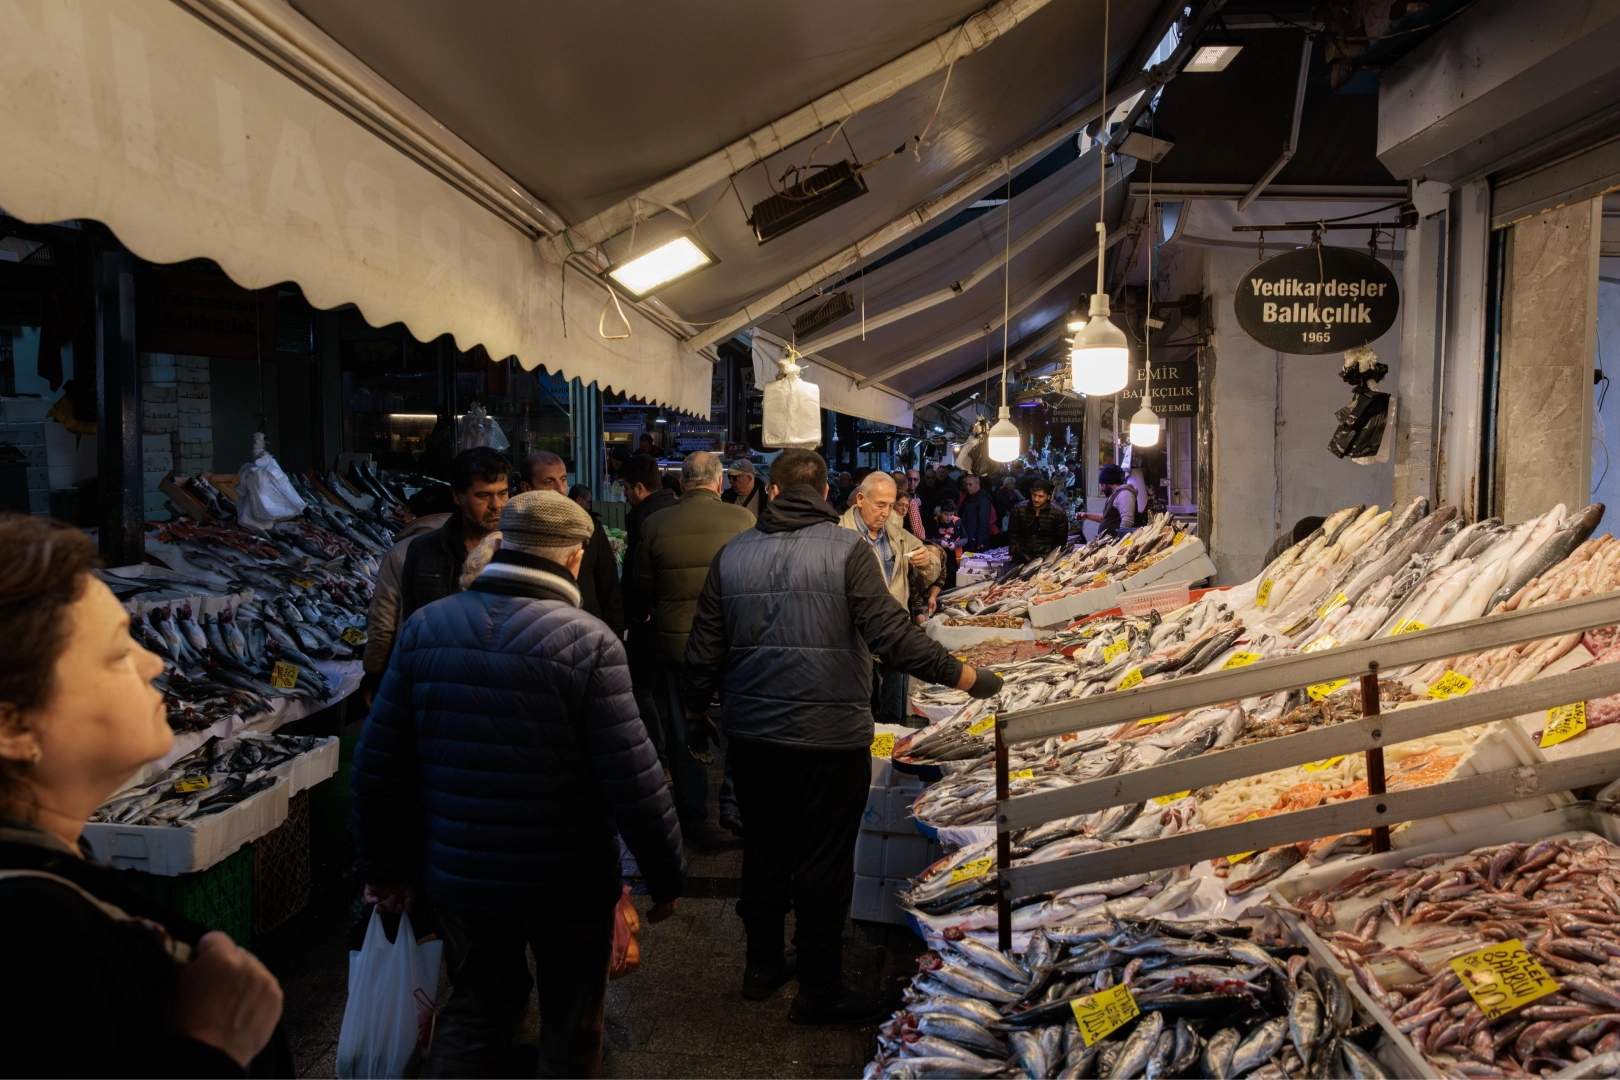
[389, 1018]
[265, 495]
[792, 409]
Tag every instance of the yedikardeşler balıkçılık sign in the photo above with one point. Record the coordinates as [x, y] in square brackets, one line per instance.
[1317, 299]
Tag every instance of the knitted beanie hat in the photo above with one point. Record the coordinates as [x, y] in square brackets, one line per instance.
[545, 519]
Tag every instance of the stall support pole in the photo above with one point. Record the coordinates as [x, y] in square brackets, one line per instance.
[120, 517]
[1003, 846]
[1375, 757]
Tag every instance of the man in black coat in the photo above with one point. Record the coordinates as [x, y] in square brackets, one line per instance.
[789, 617]
[599, 573]
[977, 513]
[480, 482]
[1037, 527]
[502, 758]
[644, 490]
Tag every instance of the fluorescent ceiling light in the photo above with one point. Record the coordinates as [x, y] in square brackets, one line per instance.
[661, 266]
[1214, 56]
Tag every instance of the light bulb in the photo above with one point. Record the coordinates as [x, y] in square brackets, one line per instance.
[1100, 361]
[1145, 427]
[1004, 437]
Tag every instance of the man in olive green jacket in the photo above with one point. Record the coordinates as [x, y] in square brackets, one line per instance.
[871, 515]
[672, 563]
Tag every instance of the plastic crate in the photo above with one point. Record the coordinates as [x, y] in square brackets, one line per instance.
[281, 878]
[219, 898]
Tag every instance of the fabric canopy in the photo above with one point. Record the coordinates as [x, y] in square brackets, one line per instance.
[139, 114]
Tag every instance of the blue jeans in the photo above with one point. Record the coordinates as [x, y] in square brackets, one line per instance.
[689, 776]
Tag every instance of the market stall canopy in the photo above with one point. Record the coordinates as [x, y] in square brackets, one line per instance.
[641, 122]
[290, 163]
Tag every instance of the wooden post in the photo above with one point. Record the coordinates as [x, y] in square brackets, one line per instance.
[1003, 845]
[1375, 757]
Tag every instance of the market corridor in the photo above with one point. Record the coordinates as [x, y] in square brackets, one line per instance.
[679, 1015]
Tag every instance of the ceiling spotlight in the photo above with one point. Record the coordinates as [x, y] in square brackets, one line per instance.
[1075, 321]
[662, 266]
[1214, 56]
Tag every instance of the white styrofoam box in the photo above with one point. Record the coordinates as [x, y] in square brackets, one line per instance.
[960, 637]
[1503, 746]
[39, 502]
[893, 856]
[171, 850]
[1064, 611]
[875, 901]
[61, 446]
[1182, 564]
[888, 808]
[59, 477]
[310, 768]
[882, 770]
[30, 434]
[23, 410]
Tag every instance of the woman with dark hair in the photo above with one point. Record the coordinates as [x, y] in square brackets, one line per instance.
[99, 980]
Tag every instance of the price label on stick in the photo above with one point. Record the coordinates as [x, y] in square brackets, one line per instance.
[303, 582]
[1564, 722]
[1318, 691]
[1263, 597]
[1111, 651]
[976, 868]
[1450, 685]
[1166, 800]
[1337, 602]
[353, 635]
[1105, 1012]
[189, 784]
[1503, 977]
[1240, 659]
[284, 676]
[982, 726]
[1326, 641]
[883, 745]
[1407, 626]
[1325, 763]
[1132, 677]
[1161, 718]
[1021, 774]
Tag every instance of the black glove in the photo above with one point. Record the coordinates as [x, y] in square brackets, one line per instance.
[986, 683]
[700, 730]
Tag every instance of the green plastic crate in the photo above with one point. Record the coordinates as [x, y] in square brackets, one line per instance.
[219, 898]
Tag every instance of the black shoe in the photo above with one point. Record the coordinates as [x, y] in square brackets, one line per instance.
[732, 824]
[838, 1006]
[761, 981]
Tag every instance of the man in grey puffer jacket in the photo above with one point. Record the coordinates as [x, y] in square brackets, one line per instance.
[788, 619]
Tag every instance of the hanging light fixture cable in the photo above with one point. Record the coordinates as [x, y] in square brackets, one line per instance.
[1004, 437]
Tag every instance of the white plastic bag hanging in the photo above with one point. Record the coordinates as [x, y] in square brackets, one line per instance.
[264, 494]
[388, 1021]
[478, 428]
[792, 409]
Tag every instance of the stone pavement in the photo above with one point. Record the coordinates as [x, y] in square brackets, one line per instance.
[680, 1015]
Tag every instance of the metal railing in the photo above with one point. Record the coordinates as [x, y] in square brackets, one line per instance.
[1370, 734]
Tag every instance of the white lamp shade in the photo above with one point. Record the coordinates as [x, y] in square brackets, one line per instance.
[1099, 361]
[1145, 427]
[1004, 438]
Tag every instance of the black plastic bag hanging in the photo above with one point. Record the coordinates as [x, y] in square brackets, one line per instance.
[1361, 423]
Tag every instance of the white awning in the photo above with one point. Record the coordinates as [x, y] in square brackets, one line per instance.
[141, 115]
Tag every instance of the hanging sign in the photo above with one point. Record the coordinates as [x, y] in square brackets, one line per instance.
[1315, 300]
[1174, 385]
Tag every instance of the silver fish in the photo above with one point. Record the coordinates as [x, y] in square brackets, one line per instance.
[1262, 1042]
[1138, 1049]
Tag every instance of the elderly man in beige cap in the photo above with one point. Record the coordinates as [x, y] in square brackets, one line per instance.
[503, 753]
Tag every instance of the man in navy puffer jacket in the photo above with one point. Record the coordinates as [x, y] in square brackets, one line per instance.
[501, 755]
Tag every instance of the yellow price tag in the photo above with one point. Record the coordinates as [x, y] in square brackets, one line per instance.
[1564, 722]
[1233, 860]
[284, 676]
[303, 582]
[1263, 597]
[1021, 774]
[1161, 718]
[353, 635]
[1127, 541]
[1166, 800]
[1325, 763]
[1102, 576]
[1337, 602]
[1132, 677]
[982, 726]
[1241, 659]
[976, 868]
[1451, 685]
[1318, 691]
[192, 783]
[1503, 977]
[883, 745]
[1326, 641]
[1407, 626]
[1105, 1012]
[1111, 651]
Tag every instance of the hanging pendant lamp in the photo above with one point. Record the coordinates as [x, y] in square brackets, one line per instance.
[1145, 424]
[1004, 437]
[1099, 362]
